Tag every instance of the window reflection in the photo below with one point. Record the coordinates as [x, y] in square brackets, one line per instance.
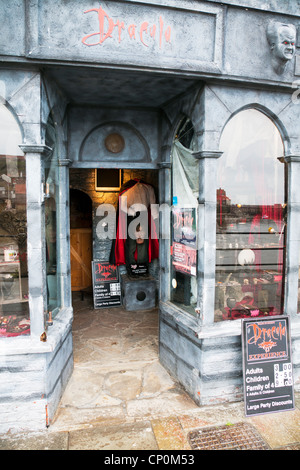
[185, 186]
[50, 222]
[14, 312]
[298, 308]
[251, 223]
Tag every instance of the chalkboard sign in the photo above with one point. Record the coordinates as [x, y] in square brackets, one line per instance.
[106, 284]
[267, 365]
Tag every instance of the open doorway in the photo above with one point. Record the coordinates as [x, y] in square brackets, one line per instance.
[87, 193]
[117, 372]
[80, 240]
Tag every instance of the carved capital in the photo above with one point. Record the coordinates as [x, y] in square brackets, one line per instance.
[38, 149]
[64, 162]
[290, 159]
[162, 165]
[207, 154]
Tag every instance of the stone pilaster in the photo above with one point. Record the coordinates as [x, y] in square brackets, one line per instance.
[206, 234]
[36, 235]
[292, 235]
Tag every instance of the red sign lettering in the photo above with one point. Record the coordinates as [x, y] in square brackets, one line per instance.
[267, 334]
[106, 271]
[183, 219]
[144, 32]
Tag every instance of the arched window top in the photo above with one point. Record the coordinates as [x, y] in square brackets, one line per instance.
[10, 134]
[251, 145]
[251, 126]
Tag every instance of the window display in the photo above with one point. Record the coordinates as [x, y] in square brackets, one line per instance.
[251, 219]
[14, 312]
[185, 183]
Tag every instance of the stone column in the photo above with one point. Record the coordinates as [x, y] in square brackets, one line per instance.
[36, 236]
[164, 229]
[63, 233]
[206, 235]
[292, 235]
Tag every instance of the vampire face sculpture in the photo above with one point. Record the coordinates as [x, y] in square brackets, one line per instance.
[281, 38]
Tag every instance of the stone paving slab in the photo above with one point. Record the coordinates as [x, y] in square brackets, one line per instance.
[169, 434]
[137, 436]
[281, 431]
[36, 441]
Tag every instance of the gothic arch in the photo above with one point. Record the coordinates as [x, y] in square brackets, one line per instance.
[267, 112]
[93, 147]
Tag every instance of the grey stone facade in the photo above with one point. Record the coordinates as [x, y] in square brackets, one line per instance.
[153, 62]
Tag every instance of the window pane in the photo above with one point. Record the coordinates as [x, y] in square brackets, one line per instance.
[51, 169]
[185, 184]
[250, 240]
[298, 309]
[14, 312]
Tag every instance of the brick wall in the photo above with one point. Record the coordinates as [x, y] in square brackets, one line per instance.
[84, 179]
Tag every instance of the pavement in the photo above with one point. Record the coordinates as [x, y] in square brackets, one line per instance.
[120, 398]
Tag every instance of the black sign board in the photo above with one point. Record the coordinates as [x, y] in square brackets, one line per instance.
[106, 284]
[138, 269]
[267, 365]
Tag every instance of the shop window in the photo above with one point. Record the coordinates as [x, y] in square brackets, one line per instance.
[51, 194]
[14, 311]
[185, 184]
[251, 219]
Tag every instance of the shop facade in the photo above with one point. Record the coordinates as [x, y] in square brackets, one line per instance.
[197, 100]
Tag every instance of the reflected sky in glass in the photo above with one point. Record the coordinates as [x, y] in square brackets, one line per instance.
[10, 134]
[249, 169]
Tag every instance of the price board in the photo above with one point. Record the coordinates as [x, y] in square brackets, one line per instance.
[106, 284]
[267, 365]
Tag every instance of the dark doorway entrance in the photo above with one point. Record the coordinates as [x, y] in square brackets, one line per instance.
[80, 239]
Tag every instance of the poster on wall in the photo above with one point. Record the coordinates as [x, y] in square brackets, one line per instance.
[184, 243]
[267, 365]
[106, 284]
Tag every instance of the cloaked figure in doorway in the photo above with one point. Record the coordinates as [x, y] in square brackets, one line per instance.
[136, 243]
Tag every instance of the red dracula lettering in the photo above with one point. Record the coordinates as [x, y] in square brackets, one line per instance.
[273, 333]
[145, 32]
[144, 27]
[105, 270]
[183, 220]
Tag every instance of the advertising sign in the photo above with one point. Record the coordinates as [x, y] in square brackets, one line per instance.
[184, 246]
[267, 365]
[106, 284]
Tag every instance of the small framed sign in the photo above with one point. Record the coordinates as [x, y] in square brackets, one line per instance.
[267, 365]
[106, 284]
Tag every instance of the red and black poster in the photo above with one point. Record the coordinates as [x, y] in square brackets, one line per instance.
[184, 246]
[106, 284]
[267, 365]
